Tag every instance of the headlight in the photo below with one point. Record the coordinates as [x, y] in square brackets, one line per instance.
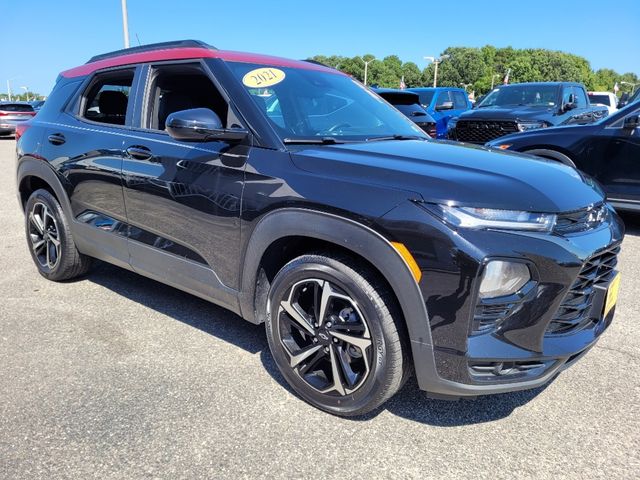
[524, 126]
[502, 278]
[486, 218]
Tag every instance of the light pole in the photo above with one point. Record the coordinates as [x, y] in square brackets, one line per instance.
[493, 79]
[9, 86]
[366, 67]
[26, 92]
[436, 61]
[125, 23]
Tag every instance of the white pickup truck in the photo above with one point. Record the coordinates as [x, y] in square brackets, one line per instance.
[606, 99]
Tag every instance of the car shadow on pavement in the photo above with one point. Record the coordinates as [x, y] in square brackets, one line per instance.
[631, 223]
[181, 306]
[410, 403]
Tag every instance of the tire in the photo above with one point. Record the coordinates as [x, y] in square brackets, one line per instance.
[50, 240]
[355, 357]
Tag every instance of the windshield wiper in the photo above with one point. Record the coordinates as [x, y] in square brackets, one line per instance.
[395, 137]
[311, 141]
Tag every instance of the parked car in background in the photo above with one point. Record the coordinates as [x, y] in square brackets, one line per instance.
[409, 104]
[627, 99]
[605, 99]
[443, 104]
[12, 114]
[525, 106]
[608, 150]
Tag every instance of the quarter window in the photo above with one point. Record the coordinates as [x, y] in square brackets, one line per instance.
[107, 98]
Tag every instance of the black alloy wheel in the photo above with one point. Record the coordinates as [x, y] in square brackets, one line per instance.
[50, 240]
[336, 334]
[325, 335]
[44, 236]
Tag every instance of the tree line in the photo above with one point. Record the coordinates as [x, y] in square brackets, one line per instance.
[478, 69]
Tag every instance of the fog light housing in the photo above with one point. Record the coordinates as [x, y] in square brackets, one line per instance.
[501, 278]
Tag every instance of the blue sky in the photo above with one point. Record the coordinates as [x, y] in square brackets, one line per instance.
[45, 37]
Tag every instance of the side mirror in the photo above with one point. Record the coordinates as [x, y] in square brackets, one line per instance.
[200, 125]
[445, 106]
[631, 122]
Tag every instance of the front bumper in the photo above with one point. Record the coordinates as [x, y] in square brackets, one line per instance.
[521, 353]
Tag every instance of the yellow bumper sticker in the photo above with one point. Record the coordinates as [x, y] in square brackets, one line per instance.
[612, 295]
[263, 77]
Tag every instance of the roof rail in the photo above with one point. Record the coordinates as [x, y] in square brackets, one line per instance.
[151, 47]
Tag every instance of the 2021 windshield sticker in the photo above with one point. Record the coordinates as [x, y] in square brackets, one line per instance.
[263, 77]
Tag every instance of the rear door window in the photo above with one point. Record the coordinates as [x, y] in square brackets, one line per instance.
[107, 98]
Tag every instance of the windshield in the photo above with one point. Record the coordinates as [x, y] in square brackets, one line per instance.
[600, 99]
[314, 104]
[525, 95]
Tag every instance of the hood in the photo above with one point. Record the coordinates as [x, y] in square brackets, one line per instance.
[443, 172]
[509, 113]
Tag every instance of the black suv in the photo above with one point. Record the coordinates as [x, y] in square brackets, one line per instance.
[521, 107]
[367, 250]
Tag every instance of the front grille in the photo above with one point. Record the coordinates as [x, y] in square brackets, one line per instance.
[478, 131]
[581, 220]
[574, 312]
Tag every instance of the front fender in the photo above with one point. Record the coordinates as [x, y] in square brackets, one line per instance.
[352, 236]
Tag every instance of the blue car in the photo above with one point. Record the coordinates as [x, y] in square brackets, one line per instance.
[443, 103]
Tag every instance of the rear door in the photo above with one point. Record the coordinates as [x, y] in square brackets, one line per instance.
[183, 198]
[84, 143]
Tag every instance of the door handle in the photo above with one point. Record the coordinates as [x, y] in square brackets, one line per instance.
[56, 139]
[139, 153]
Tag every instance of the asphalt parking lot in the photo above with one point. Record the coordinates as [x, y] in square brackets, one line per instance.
[117, 376]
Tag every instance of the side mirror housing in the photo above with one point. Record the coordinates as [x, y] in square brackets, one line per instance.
[200, 125]
[631, 122]
[445, 106]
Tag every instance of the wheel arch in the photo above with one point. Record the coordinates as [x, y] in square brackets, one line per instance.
[34, 174]
[347, 235]
[552, 153]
